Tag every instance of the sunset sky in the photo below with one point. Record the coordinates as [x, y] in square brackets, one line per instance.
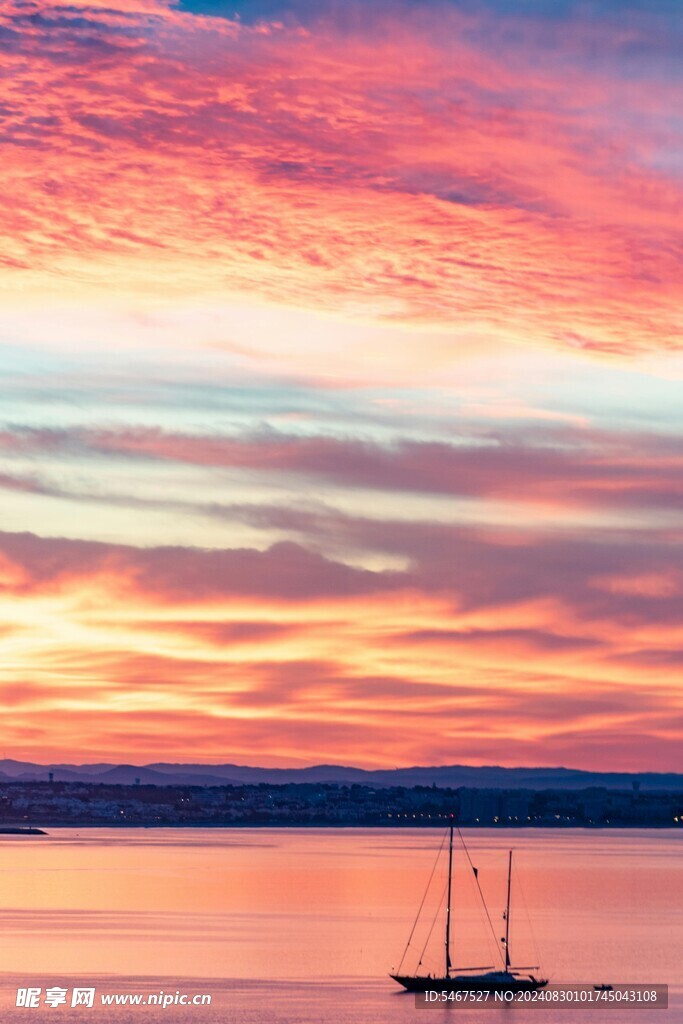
[342, 382]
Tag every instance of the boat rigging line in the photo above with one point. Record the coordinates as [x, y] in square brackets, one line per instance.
[520, 889]
[424, 897]
[475, 872]
[431, 929]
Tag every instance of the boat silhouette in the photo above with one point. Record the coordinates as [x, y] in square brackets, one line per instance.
[480, 979]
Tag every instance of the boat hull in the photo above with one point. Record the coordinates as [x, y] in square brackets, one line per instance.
[483, 983]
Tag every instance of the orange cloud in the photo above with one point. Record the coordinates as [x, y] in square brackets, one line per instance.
[139, 653]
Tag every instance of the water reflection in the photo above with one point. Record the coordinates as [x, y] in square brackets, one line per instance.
[315, 913]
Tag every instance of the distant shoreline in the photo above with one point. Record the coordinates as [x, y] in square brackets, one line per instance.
[311, 826]
[329, 805]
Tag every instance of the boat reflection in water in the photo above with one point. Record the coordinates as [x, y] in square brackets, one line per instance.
[480, 979]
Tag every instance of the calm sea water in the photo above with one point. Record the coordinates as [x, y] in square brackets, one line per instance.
[292, 926]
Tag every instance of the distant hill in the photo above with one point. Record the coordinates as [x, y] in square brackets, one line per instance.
[453, 776]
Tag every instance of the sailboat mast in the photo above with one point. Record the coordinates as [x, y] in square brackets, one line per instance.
[448, 903]
[507, 916]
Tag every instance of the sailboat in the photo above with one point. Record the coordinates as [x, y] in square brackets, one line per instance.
[480, 979]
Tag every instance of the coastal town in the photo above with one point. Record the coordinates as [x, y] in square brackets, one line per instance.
[44, 804]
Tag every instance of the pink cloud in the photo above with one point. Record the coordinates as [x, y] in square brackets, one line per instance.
[560, 467]
[415, 171]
